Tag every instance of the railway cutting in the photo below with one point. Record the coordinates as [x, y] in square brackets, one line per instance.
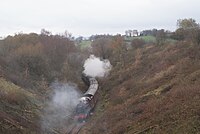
[85, 106]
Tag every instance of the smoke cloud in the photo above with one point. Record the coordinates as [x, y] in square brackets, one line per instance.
[58, 111]
[57, 114]
[96, 68]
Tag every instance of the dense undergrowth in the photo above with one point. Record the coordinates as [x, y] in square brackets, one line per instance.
[152, 88]
[19, 109]
[157, 91]
[29, 63]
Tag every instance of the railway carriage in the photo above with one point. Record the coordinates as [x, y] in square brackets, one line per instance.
[88, 100]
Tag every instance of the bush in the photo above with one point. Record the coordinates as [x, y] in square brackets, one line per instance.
[137, 43]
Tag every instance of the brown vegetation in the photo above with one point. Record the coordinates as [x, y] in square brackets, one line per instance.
[152, 88]
[28, 65]
[28, 59]
[158, 92]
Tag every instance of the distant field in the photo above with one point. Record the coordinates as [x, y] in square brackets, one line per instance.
[85, 43]
[148, 39]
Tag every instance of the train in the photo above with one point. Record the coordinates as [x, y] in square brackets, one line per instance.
[88, 101]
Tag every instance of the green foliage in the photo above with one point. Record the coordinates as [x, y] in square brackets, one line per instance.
[85, 44]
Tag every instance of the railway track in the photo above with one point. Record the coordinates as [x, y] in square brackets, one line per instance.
[86, 104]
[75, 128]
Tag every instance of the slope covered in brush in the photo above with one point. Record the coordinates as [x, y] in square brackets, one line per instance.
[19, 109]
[156, 91]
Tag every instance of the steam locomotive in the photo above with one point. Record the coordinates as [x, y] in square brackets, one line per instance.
[88, 100]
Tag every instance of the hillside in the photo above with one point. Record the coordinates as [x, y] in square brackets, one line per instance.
[156, 92]
[29, 64]
[19, 109]
[152, 88]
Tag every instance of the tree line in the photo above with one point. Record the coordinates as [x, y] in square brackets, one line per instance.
[30, 59]
[116, 48]
[35, 59]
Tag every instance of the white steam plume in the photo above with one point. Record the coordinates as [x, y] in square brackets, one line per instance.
[57, 113]
[96, 68]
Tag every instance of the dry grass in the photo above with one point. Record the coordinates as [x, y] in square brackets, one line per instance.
[13, 94]
[159, 95]
[18, 109]
[161, 74]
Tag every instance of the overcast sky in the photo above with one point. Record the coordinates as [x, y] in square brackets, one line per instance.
[87, 17]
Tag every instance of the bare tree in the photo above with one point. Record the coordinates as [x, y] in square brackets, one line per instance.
[102, 47]
[189, 29]
[160, 37]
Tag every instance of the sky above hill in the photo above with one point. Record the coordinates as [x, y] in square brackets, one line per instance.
[87, 17]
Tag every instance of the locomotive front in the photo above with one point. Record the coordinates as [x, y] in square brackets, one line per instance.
[87, 101]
